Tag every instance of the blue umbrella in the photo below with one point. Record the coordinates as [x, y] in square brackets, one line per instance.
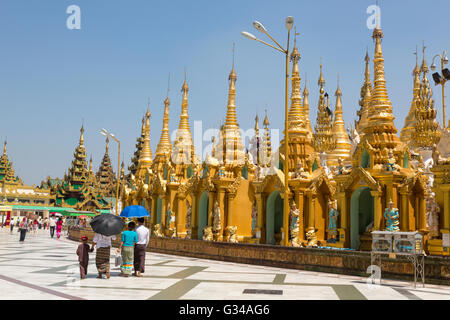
[134, 212]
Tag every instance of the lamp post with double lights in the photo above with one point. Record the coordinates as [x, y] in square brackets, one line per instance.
[260, 27]
[106, 133]
[441, 78]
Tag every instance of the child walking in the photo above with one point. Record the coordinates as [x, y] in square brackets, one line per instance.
[83, 256]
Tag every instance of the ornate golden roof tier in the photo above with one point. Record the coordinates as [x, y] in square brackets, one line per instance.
[426, 129]
[380, 133]
[137, 153]
[105, 174]
[78, 172]
[407, 131]
[183, 146]
[364, 102]
[343, 146]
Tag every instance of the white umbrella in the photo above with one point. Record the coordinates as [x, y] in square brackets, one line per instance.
[56, 214]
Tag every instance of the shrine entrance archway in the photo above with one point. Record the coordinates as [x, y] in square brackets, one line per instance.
[361, 214]
[274, 218]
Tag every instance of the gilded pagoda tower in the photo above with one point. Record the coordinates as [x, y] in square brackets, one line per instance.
[80, 189]
[7, 174]
[105, 174]
[381, 174]
[299, 135]
[343, 145]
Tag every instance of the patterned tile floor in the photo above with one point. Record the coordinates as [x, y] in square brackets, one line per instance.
[46, 268]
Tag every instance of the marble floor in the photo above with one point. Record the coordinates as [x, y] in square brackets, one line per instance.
[46, 268]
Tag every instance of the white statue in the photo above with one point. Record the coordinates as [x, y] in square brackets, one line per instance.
[217, 226]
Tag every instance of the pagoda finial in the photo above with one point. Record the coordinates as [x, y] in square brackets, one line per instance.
[82, 135]
[256, 125]
[266, 120]
[4, 147]
[107, 144]
[424, 66]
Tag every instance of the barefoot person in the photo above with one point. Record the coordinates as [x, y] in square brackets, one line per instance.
[102, 256]
[129, 238]
[83, 256]
[141, 247]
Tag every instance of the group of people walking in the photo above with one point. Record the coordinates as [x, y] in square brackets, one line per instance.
[25, 225]
[133, 244]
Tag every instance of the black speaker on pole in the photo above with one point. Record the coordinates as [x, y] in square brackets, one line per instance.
[446, 73]
[437, 78]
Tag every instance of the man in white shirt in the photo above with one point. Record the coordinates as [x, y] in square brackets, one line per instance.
[140, 247]
[52, 224]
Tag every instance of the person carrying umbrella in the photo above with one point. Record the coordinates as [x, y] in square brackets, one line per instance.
[129, 239]
[105, 226]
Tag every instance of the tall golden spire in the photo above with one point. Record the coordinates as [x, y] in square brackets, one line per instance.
[183, 147]
[164, 146]
[257, 139]
[4, 148]
[381, 131]
[230, 147]
[145, 158]
[343, 146]
[296, 118]
[306, 110]
[266, 143]
[364, 102]
[406, 134]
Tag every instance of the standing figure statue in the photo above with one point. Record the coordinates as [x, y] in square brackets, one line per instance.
[294, 228]
[333, 215]
[433, 211]
[391, 164]
[254, 220]
[188, 220]
[170, 222]
[341, 167]
[217, 226]
[300, 172]
[392, 216]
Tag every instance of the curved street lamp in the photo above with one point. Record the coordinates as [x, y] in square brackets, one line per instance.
[259, 26]
[441, 78]
[106, 133]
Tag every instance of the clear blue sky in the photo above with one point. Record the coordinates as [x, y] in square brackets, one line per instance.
[52, 77]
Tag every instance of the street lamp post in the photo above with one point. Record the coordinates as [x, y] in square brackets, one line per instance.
[106, 133]
[260, 27]
[441, 79]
